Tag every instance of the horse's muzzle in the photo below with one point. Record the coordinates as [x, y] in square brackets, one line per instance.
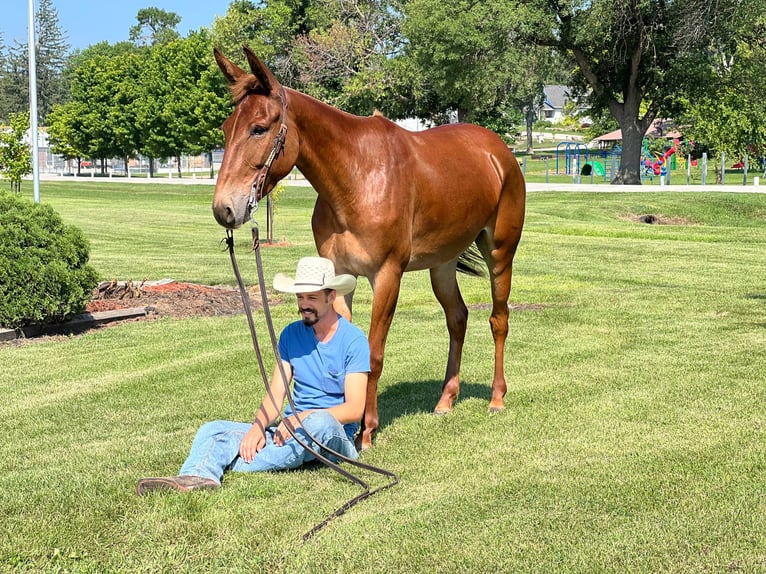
[229, 212]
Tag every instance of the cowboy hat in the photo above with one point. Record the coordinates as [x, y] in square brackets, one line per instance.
[314, 274]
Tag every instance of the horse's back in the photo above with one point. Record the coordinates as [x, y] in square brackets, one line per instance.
[465, 148]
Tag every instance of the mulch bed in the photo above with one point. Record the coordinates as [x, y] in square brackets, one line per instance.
[165, 298]
[171, 298]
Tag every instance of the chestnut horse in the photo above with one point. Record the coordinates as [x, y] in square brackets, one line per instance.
[388, 201]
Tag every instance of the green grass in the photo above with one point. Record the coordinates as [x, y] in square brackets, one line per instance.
[633, 438]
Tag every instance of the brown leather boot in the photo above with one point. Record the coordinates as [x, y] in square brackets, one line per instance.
[183, 483]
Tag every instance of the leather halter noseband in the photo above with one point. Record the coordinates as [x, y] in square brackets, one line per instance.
[256, 190]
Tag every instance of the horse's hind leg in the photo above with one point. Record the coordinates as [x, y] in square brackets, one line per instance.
[500, 263]
[498, 250]
[445, 287]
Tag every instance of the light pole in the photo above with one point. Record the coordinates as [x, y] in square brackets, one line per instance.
[31, 48]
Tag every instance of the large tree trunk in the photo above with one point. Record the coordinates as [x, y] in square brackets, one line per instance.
[629, 172]
[530, 120]
[633, 127]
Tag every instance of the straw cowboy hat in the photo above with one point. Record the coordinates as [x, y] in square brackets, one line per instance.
[314, 274]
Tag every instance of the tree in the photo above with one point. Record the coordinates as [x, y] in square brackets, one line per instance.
[269, 29]
[51, 57]
[52, 50]
[4, 102]
[155, 26]
[100, 122]
[14, 83]
[634, 56]
[470, 59]
[730, 116]
[15, 156]
[345, 58]
[65, 131]
[212, 105]
[184, 101]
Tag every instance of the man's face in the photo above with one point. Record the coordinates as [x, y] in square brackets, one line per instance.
[313, 306]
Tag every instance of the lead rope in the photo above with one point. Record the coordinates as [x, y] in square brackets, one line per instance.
[366, 491]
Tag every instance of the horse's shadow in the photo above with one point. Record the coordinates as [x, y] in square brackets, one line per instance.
[415, 397]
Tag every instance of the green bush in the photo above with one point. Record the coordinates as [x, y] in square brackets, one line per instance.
[44, 271]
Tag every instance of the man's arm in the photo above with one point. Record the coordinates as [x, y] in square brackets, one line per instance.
[268, 412]
[350, 411]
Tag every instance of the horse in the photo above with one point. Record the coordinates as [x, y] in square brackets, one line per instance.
[388, 201]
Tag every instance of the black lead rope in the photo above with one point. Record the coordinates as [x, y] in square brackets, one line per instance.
[367, 492]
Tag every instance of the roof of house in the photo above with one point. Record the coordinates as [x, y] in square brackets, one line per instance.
[556, 96]
[660, 128]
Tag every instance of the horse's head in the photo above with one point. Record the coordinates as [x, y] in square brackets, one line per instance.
[260, 150]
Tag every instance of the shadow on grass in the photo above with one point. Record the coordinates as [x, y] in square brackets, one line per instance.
[408, 397]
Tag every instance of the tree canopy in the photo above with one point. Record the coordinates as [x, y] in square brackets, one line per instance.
[15, 156]
[155, 26]
[52, 56]
[636, 57]
[486, 62]
[730, 114]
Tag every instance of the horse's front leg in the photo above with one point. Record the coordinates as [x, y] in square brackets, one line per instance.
[445, 287]
[385, 293]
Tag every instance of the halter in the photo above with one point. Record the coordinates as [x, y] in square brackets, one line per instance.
[256, 190]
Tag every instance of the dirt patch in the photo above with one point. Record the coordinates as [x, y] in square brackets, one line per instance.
[652, 219]
[168, 298]
[165, 298]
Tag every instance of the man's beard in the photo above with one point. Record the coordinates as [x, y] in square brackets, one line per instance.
[309, 320]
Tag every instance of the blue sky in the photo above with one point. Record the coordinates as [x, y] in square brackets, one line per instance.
[87, 22]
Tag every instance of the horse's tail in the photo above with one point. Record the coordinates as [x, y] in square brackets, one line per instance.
[471, 262]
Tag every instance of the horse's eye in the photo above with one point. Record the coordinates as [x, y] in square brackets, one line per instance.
[258, 131]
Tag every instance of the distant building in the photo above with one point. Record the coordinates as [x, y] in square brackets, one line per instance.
[659, 128]
[557, 97]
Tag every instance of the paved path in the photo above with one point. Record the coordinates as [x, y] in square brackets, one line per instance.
[531, 187]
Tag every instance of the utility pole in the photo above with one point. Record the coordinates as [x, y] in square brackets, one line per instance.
[32, 48]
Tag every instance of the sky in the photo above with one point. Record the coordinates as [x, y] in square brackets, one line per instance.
[87, 22]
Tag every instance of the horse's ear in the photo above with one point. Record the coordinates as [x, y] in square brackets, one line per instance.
[268, 81]
[230, 70]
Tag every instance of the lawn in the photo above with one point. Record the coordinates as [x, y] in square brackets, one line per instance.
[634, 438]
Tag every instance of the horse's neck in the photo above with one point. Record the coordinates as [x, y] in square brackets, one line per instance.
[325, 137]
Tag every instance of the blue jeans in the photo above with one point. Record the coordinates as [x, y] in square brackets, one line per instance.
[216, 447]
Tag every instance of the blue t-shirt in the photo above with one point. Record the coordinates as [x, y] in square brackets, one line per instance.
[319, 369]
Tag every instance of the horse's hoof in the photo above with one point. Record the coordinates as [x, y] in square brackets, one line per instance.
[495, 410]
[362, 444]
[439, 411]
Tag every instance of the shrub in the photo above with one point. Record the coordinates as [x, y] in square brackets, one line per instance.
[44, 271]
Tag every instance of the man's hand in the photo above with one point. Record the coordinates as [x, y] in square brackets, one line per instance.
[282, 435]
[252, 442]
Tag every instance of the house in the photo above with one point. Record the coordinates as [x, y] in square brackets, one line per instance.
[555, 105]
[556, 97]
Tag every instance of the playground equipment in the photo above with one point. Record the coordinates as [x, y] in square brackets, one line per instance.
[657, 164]
[572, 156]
[593, 168]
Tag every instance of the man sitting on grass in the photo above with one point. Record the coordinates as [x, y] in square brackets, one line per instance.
[328, 360]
